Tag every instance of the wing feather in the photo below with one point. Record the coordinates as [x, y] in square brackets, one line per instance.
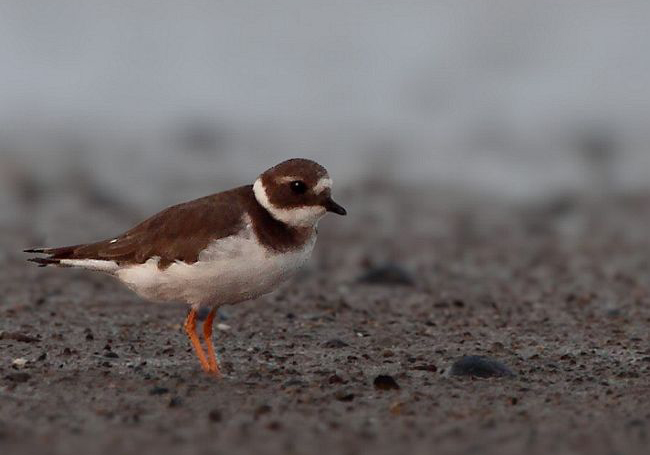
[178, 233]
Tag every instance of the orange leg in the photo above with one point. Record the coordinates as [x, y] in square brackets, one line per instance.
[190, 329]
[213, 365]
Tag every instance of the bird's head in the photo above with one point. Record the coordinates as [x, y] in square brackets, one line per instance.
[297, 192]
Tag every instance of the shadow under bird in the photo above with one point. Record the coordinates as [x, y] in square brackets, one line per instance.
[217, 250]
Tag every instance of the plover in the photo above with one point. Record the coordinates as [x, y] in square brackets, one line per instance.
[220, 249]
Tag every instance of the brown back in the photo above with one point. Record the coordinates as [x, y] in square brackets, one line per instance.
[181, 232]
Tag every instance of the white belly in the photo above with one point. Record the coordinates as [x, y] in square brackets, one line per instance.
[229, 270]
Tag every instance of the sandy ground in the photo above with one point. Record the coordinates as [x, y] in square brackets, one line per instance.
[558, 291]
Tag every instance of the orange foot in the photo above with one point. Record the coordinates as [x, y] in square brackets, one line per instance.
[213, 365]
[208, 363]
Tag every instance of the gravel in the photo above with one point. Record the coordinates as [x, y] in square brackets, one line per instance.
[531, 288]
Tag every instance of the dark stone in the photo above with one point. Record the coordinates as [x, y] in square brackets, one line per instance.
[261, 410]
[17, 336]
[335, 344]
[158, 391]
[111, 355]
[426, 367]
[385, 382]
[274, 426]
[18, 377]
[175, 402]
[344, 395]
[480, 367]
[336, 379]
[295, 382]
[215, 415]
[388, 274]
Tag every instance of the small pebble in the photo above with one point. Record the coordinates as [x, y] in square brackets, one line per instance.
[19, 362]
[480, 367]
[396, 408]
[335, 344]
[426, 367]
[336, 379]
[261, 410]
[385, 382]
[214, 415]
[274, 426]
[175, 402]
[344, 395]
[18, 377]
[295, 382]
[388, 274]
[16, 336]
[223, 327]
[158, 391]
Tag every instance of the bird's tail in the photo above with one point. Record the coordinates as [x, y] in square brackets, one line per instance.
[55, 255]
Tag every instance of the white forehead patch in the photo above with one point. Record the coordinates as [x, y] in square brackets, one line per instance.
[307, 216]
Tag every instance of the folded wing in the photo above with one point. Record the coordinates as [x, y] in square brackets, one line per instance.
[178, 233]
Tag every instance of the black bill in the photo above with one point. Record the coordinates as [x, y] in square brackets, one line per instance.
[333, 207]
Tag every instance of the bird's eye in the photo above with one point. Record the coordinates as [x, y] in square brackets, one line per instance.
[298, 186]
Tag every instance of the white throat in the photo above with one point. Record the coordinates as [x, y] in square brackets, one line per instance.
[307, 216]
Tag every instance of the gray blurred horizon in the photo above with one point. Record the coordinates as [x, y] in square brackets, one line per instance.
[153, 99]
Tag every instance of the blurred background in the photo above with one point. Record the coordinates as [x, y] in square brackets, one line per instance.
[139, 104]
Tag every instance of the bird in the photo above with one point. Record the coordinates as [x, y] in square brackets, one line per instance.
[220, 249]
